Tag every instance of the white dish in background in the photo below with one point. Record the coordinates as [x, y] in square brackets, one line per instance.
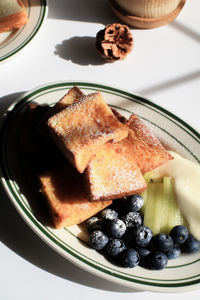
[13, 42]
[182, 274]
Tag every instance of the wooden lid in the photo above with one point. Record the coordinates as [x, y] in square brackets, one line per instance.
[145, 23]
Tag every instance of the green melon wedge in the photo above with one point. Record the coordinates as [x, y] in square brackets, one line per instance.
[160, 211]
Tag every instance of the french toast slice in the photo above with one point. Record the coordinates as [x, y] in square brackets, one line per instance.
[35, 151]
[113, 173]
[29, 139]
[147, 150]
[12, 15]
[63, 189]
[73, 95]
[80, 129]
[119, 116]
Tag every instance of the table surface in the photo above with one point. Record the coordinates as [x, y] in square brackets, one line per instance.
[163, 67]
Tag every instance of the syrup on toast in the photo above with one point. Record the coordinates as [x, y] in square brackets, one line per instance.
[81, 128]
[63, 188]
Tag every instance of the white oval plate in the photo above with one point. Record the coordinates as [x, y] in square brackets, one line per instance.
[181, 274]
[12, 42]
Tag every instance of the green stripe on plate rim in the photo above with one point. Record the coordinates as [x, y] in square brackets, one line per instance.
[92, 263]
[112, 90]
[15, 187]
[18, 31]
[132, 97]
[25, 100]
[16, 191]
[44, 229]
[43, 10]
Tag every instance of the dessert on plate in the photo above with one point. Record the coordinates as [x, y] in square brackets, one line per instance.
[134, 195]
[84, 135]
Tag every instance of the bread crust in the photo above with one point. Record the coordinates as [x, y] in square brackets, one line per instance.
[64, 191]
[15, 20]
[72, 96]
[113, 173]
[148, 151]
[80, 129]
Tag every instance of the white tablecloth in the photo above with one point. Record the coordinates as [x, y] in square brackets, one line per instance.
[163, 67]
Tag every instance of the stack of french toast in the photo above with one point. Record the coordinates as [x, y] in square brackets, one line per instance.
[104, 155]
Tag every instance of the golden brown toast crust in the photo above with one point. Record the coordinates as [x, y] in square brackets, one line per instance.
[82, 127]
[145, 147]
[14, 21]
[73, 95]
[148, 150]
[119, 117]
[113, 173]
[64, 191]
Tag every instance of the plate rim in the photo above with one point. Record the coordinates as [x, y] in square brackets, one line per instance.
[31, 35]
[66, 84]
[100, 85]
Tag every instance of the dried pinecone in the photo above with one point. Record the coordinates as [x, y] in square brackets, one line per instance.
[114, 42]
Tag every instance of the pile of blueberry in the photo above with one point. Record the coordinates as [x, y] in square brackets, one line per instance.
[118, 233]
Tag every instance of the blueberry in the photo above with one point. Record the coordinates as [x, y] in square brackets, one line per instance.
[129, 258]
[98, 239]
[157, 260]
[134, 203]
[152, 246]
[163, 241]
[132, 218]
[191, 245]
[116, 228]
[179, 234]
[129, 237]
[119, 206]
[143, 254]
[142, 236]
[93, 224]
[174, 252]
[109, 214]
[115, 247]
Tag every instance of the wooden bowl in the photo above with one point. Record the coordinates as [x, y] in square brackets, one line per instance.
[145, 23]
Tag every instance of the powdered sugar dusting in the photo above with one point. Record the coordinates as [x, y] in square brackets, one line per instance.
[86, 123]
[115, 176]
